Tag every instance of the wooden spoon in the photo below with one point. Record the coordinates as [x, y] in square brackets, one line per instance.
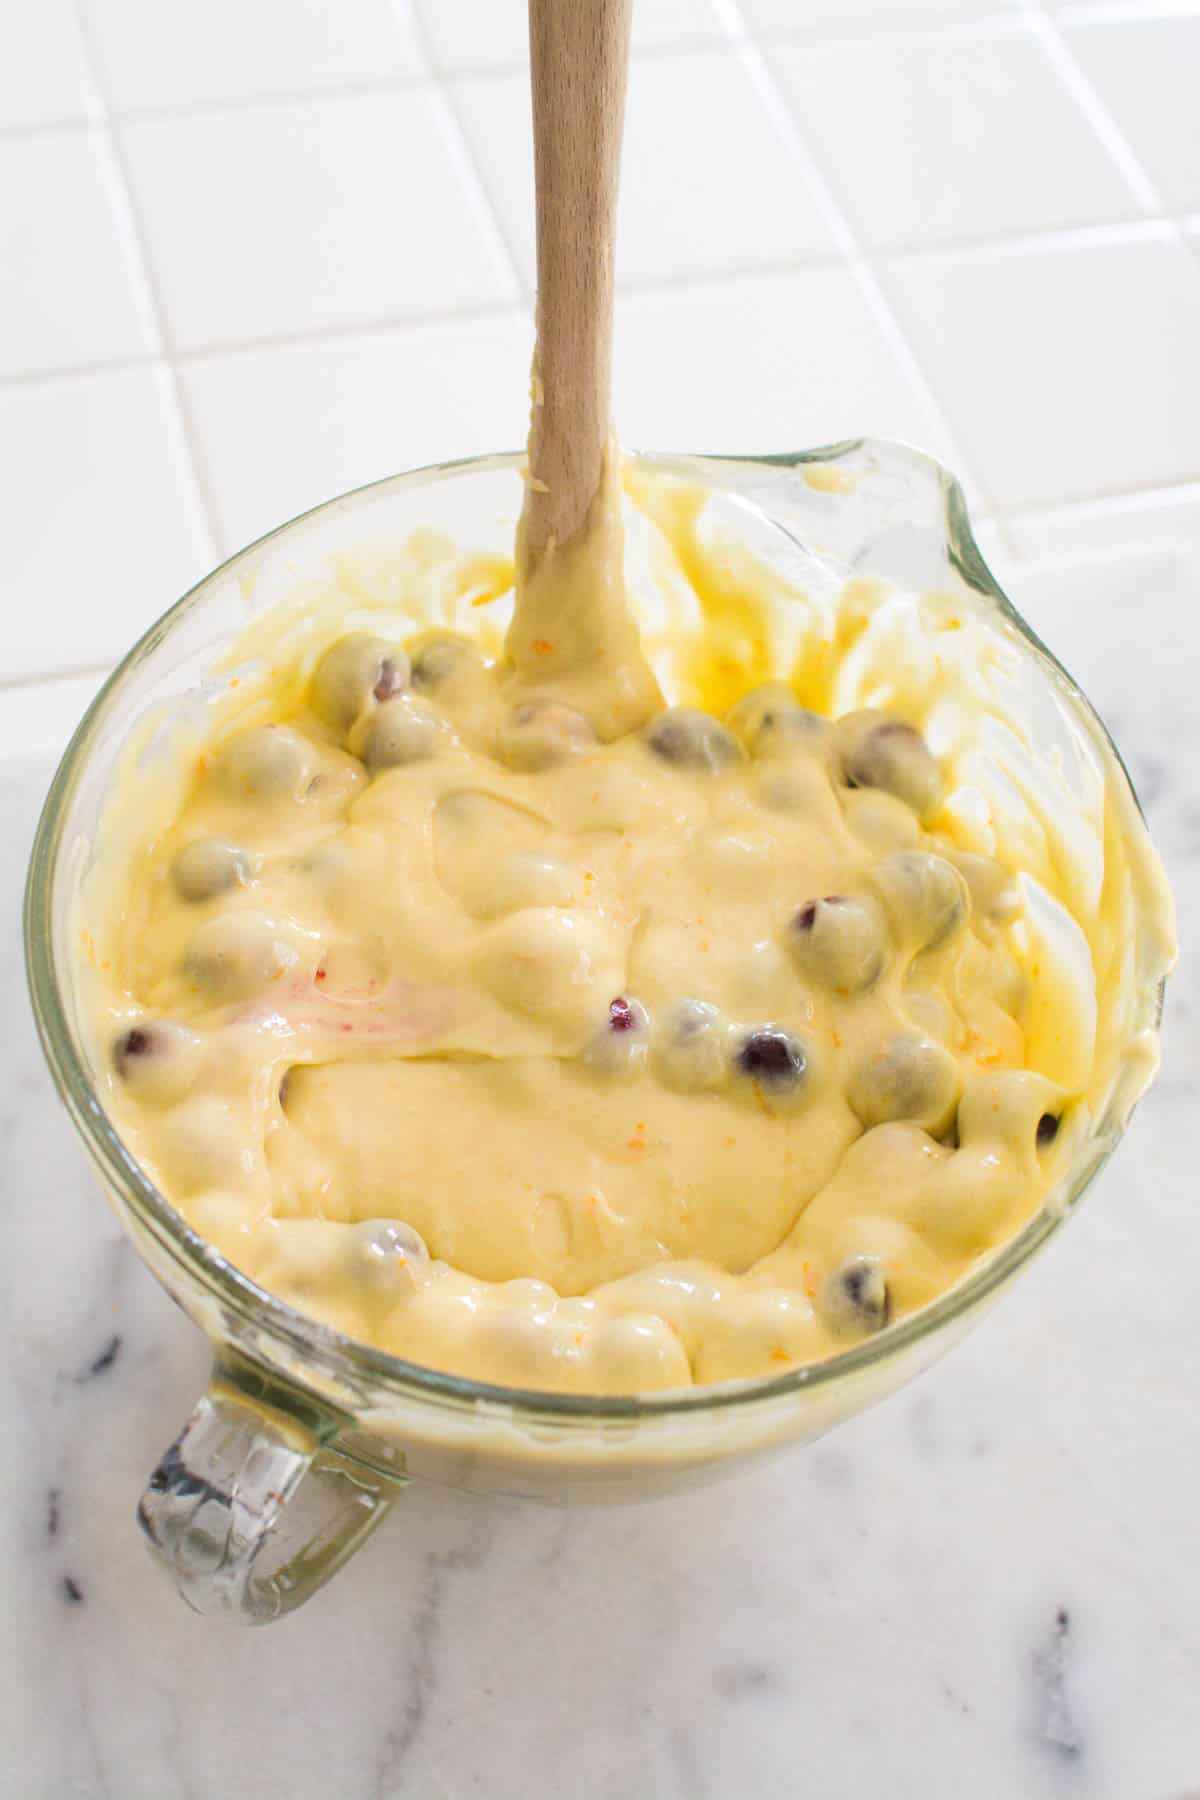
[579, 56]
[573, 638]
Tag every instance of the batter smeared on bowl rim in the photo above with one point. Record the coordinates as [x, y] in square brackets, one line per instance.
[606, 1048]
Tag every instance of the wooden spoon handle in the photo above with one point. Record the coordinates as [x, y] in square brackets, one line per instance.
[580, 54]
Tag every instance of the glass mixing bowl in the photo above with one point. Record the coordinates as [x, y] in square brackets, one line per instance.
[306, 1437]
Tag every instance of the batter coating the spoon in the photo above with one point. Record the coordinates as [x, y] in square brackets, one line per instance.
[586, 1059]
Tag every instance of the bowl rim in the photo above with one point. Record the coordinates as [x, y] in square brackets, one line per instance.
[333, 1354]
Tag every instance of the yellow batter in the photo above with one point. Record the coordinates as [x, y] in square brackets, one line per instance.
[533, 1032]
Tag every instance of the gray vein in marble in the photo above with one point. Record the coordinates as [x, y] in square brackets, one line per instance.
[692, 1778]
[888, 1590]
[103, 1789]
[953, 1698]
[421, 1650]
[932, 1438]
[922, 1426]
[746, 1680]
[1188, 818]
[831, 1468]
[1151, 777]
[554, 1548]
[173, 1749]
[422, 1627]
[115, 1262]
[1058, 1725]
[101, 1363]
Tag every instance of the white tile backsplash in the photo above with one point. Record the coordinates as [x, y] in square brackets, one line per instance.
[103, 528]
[812, 368]
[1092, 607]
[1171, 516]
[1147, 71]
[284, 427]
[43, 70]
[707, 182]
[464, 35]
[70, 293]
[307, 216]
[42, 715]
[1069, 371]
[949, 135]
[661, 22]
[158, 52]
[312, 225]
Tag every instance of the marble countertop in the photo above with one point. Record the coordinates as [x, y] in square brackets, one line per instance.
[988, 1586]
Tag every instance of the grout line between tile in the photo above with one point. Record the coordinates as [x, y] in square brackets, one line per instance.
[1069, 237]
[216, 104]
[386, 325]
[436, 74]
[117, 365]
[459, 143]
[1189, 233]
[687, 44]
[391, 325]
[1059, 237]
[149, 297]
[114, 177]
[895, 27]
[35, 128]
[901, 24]
[1058, 48]
[733, 31]
[1051, 237]
[519, 65]
[1124, 12]
[1055, 238]
[867, 277]
[51, 678]
[1087, 96]
[1126, 499]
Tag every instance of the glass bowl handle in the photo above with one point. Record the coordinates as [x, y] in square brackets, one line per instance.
[253, 1507]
